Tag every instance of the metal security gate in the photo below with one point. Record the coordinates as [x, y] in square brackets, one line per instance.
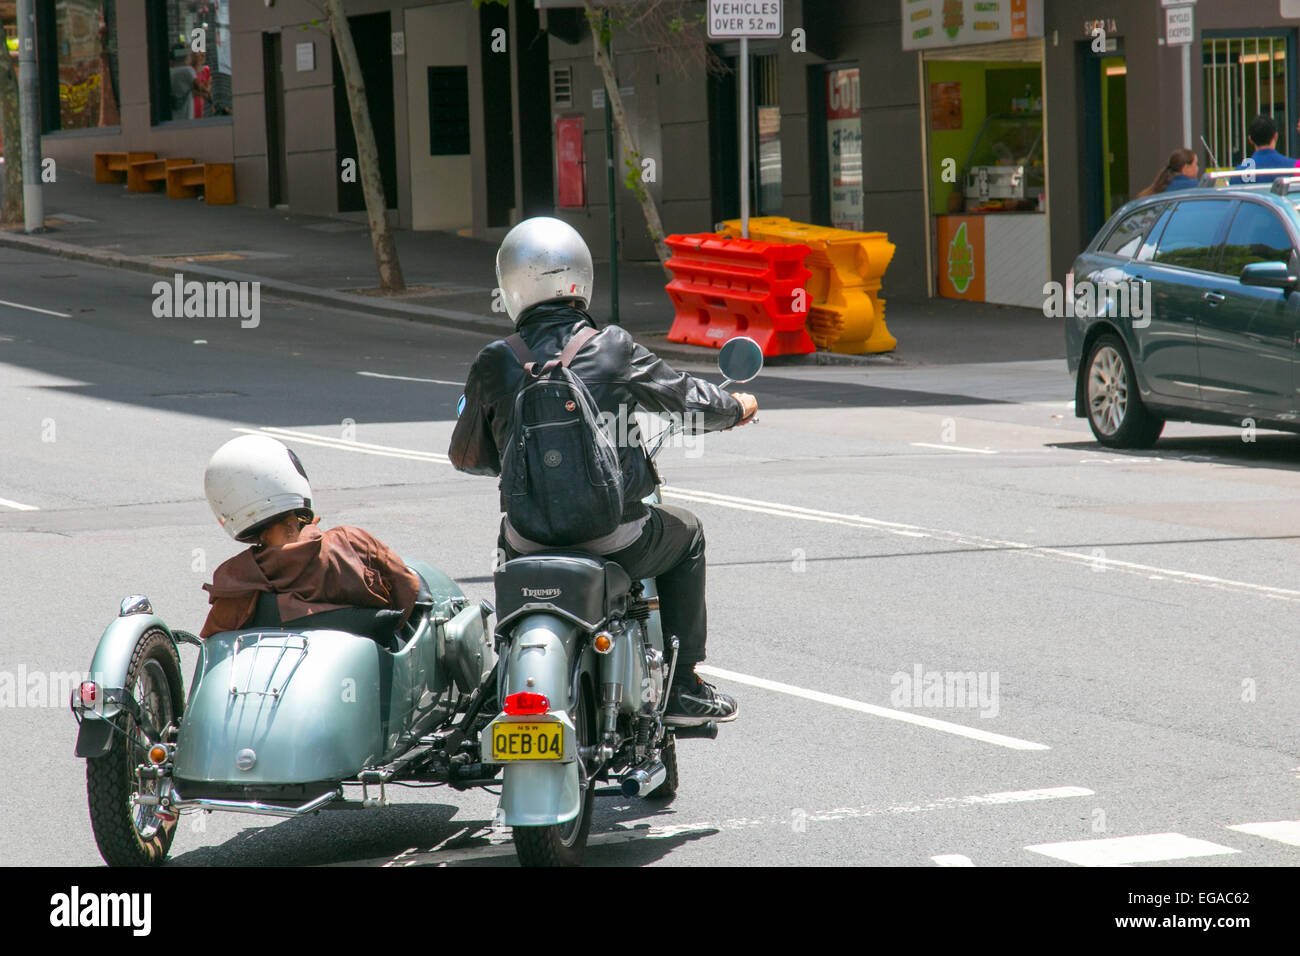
[1245, 76]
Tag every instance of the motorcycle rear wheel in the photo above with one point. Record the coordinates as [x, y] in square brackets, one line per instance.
[128, 835]
[563, 844]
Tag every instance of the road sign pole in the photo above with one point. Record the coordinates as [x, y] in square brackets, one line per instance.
[744, 137]
[33, 200]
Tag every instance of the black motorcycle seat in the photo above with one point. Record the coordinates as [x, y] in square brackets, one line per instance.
[580, 586]
[378, 624]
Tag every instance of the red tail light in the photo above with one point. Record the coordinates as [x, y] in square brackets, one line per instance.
[88, 692]
[526, 703]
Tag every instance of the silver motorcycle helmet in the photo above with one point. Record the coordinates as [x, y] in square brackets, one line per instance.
[252, 480]
[543, 260]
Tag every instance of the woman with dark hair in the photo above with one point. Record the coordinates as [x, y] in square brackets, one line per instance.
[1179, 173]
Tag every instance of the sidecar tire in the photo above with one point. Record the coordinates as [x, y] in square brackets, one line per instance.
[668, 789]
[563, 844]
[110, 779]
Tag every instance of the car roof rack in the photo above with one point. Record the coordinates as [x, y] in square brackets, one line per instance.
[1285, 185]
[1220, 177]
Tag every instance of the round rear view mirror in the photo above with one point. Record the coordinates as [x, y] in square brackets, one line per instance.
[740, 359]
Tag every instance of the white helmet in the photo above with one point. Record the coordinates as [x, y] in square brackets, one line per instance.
[252, 480]
[543, 260]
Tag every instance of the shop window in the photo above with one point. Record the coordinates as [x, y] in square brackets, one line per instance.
[189, 59]
[1189, 239]
[1257, 235]
[1244, 77]
[448, 111]
[767, 136]
[80, 38]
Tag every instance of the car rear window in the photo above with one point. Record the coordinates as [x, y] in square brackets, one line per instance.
[1256, 235]
[1188, 239]
[1126, 238]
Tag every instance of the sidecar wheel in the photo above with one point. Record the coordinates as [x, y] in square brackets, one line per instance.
[564, 844]
[128, 835]
[668, 789]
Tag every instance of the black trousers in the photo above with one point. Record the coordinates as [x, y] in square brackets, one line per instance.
[671, 550]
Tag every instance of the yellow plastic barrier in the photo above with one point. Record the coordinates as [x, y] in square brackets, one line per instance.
[845, 311]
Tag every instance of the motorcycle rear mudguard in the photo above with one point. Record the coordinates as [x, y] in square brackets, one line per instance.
[537, 793]
[108, 670]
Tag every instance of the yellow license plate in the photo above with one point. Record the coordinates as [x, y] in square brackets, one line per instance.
[511, 741]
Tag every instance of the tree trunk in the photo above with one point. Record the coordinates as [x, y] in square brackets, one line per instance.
[631, 152]
[11, 134]
[390, 270]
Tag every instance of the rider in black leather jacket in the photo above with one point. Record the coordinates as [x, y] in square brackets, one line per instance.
[621, 376]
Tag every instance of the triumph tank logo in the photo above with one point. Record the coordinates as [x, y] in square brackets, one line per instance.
[541, 592]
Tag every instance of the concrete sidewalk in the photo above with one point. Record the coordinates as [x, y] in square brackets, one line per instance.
[331, 262]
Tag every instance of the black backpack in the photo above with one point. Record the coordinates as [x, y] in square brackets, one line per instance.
[561, 483]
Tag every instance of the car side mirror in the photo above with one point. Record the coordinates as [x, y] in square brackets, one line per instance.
[1273, 275]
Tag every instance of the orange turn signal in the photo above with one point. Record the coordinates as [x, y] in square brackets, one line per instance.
[158, 753]
[603, 642]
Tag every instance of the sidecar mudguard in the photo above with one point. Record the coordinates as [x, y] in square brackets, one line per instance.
[108, 670]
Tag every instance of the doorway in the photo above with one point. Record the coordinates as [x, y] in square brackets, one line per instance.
[1105, 168]
[372, 37]
[277, 162]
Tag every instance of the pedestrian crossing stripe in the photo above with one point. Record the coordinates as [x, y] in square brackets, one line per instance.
[1283, 831]
[1124, 851]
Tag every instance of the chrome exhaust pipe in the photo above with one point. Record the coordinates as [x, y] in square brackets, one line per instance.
[640, 782]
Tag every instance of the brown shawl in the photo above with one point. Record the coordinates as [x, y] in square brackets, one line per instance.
[321, 571]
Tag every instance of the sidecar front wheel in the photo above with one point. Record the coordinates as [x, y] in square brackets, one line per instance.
[130, 835]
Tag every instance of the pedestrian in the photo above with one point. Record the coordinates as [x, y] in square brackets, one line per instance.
[1263, 136]
[1179, 173]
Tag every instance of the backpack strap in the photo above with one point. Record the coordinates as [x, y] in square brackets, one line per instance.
[522, 352]
[571, 350]
[576, 343]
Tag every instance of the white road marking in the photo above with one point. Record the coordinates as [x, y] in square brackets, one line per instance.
[978, 542]
[17, 506]
[920, 720]
[776, 509]
[973, 451]
[32, 308]
[1284, 831]
[325, 441]
[634, 830]
[408, 378]
[952, 859]
[1122, 851]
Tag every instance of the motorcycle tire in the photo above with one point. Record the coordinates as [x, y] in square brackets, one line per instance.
[668, 754]
[563, 844]
[128, 835]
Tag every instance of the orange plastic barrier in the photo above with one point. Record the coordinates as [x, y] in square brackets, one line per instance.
[723, 287]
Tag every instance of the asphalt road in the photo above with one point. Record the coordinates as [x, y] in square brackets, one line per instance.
[1128, 619]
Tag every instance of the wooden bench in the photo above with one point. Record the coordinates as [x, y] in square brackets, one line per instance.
[112, 167]
[146, 175]
[217, 180]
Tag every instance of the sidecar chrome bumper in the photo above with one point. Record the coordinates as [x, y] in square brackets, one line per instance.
[252, 806]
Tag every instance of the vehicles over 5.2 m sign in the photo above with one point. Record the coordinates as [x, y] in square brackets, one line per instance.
[744, 18]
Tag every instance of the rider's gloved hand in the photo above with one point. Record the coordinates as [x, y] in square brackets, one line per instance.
[749, 404]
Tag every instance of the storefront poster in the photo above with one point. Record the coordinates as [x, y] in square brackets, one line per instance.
[945, 106]
[961, 262]
[844, 148]
[569, 164]
[945, 23]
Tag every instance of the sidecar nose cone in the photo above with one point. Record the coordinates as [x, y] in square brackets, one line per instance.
[246, 759]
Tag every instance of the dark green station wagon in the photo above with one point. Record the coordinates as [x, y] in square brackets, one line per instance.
[1210, 331]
